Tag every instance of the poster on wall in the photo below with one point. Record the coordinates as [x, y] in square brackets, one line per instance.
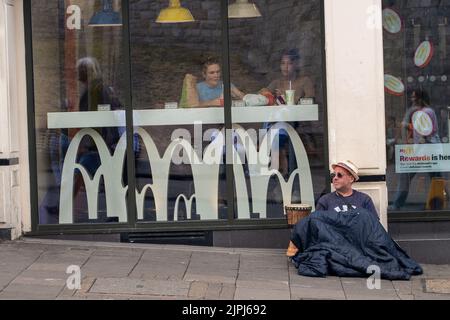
[423, 54]
[392, 22]
[393, 85]
[416, 158]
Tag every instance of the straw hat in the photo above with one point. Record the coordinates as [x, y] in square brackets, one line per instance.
[349, 166]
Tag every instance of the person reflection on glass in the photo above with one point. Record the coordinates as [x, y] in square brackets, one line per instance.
[210, 91]
[304, 88]
[412, 133]
[95, 96]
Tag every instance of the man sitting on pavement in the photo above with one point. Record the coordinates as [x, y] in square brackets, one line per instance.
[345, 198]
[345, 173]
[344, 236]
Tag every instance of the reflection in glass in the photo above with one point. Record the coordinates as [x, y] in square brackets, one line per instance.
[417, 118]
[279, 68]
[178, 114]
[79, 124]
[107, 17]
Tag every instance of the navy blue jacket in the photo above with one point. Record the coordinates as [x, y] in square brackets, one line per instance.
[346, 244]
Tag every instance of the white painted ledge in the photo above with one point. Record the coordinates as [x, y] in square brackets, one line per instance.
[174, 117]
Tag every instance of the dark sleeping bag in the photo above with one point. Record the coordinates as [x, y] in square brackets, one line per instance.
[346, 244]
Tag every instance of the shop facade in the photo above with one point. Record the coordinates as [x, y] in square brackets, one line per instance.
[108, 134]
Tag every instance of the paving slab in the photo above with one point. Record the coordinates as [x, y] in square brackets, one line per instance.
[118, 252]
[357, 289]
[172, 255]
[60, 261]
[228, 291]
[193, 264]
[121, 297]
[379, 296]
[312, 293]
[12, 263]
[317, 283]
[109, 266]
[198, 289]
[125, 286]
[264, 262]
[435, 271]
[263, 284]
[86, 284]
[6, 278]
[212, 277]
[441, 286]
[30, 291]
[169, 272]
[258, 294]
[263, 276]
[213, 291]
[361, 284]
[230, 261]
[357, 293]
[41, 277]
[403, 287]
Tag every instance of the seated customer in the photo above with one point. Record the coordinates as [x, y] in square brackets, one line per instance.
[291, 78]
[345, 198]
[210, 91]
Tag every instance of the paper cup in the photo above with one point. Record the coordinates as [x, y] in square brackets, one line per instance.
[290, 94]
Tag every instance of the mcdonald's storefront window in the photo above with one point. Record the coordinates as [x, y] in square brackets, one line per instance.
[417, 108]
[144, 120]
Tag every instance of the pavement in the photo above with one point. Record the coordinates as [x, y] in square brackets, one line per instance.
[40, 269]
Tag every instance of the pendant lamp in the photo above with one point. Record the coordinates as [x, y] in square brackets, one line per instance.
[243, 9]
[175, 13]
[107, 17]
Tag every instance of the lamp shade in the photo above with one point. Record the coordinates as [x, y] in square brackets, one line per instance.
[107, 17]
[243, 9]
[175, 14]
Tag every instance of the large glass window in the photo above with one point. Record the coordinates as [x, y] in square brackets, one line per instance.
[79, 111]
[276, 61]
[177, 87]
[190, 94]
[417, 113]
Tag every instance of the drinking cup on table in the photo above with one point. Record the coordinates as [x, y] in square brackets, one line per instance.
[290, 94]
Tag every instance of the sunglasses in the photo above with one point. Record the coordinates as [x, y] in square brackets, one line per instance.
[339, 175]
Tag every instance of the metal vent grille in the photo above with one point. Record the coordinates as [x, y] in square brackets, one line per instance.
[198, 238]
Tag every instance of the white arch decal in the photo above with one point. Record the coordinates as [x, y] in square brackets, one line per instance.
[205, 170]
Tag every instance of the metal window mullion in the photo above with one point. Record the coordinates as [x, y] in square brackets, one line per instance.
[131, 172]
[227, 110]
[31, 115]
[326, 145]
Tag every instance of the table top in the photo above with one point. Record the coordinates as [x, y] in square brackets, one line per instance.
[185, 116]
